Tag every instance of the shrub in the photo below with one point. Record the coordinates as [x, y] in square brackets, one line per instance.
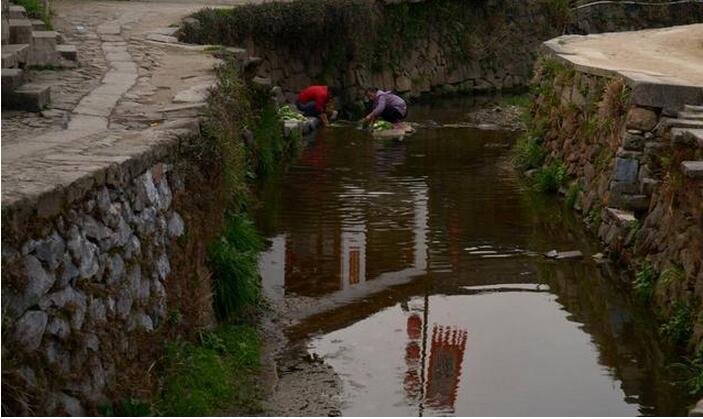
[645, 281]
[572, 195]
[528, 153]
[677, 329]
[550, 178]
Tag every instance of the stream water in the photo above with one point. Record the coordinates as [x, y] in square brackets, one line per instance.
[417, 270]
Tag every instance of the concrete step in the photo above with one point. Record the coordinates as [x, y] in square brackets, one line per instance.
[690, 115]
[43, 49]
[687, 136]
[28, 97]
[20, 31]
[684, 123]
[68, 52]
[14, 55]
[693, 108]
[693, 169]
[17, 12]
[12, 78]
[38, 25]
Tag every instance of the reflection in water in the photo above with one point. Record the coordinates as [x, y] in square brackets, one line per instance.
[422, 258]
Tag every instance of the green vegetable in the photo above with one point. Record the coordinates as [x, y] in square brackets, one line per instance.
[290, 114]
[382, 126]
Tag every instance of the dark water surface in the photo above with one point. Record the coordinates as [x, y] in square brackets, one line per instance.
[449, 309]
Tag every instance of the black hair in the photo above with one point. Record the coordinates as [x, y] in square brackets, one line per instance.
[371, 89]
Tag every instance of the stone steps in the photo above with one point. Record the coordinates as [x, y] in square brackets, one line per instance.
[12, 78]
[20, 31]
[43, 49]
[693, 108]
[67, 52]
[38, 25]
[17, 12]
[14, 55]
[693, 169]
[683, 123]
[687, 136]
[690, 115]
[28, 97]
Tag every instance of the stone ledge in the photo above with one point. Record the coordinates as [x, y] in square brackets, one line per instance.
[649, 88]
[69, 173]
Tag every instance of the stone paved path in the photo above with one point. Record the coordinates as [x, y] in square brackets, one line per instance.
[672, 54]
[129, 94]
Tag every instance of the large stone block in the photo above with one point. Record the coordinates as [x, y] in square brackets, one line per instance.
[693, 169]
[43, 49]
[641, 119]
[626, 170]
[20, 31]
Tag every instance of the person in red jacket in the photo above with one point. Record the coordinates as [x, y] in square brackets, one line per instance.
[316, 100]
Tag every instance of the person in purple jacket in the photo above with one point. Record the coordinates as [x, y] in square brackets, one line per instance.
[386, 105]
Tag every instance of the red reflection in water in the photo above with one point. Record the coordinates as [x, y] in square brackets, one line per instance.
[444, 372]
[447, 349]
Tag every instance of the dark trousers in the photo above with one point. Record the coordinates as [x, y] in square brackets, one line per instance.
[308, 108]
[392, 115]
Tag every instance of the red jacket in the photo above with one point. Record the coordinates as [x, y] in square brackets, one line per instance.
[319, 94]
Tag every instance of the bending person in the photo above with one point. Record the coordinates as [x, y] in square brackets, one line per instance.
[317, 101]
[386, 105]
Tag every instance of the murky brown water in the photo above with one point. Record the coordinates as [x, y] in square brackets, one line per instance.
[426, 292]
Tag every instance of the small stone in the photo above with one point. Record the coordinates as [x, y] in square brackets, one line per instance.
[97, 311]
[103, 200]
[165, 196]
[551, 254]
[70, 271]
[38, 283]
[116, 269]
[69, 300]
[91, 341]
[633, 142]
[574, 254]
[163, 267]
[124, 304]
[132, 248]
[58, 327]
[50, 250]
[176, 226]
[140, 321]
[146, 189]
[29, 329]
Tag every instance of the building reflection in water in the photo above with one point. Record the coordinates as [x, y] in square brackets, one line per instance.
[433, 383]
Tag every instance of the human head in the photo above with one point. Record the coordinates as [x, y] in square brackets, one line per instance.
[371, 93]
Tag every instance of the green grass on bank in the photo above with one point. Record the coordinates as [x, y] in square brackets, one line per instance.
[232, 258]
[213, 375]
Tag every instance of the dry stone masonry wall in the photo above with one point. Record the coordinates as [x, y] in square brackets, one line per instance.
[78, 296]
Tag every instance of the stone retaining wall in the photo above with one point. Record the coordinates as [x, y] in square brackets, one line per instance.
[99, 275]
[618, 146]
[79, 290]
[414, 47]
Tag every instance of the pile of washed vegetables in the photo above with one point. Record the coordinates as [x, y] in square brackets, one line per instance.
[289, 114]
[382, 126]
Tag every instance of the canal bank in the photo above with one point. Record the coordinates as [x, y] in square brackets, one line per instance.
[411, 279]
[623, 134]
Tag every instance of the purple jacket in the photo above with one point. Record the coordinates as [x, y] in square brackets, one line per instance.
[388, 100]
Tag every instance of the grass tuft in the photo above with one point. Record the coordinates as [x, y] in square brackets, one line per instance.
[233, 261]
